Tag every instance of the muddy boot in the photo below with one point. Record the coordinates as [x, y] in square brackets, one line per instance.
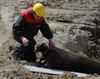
[18, 53]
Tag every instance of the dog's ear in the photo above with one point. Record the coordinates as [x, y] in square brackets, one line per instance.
[41, 47]
[43, 44]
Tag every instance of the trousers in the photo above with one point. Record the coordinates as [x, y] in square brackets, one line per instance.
[25, 53]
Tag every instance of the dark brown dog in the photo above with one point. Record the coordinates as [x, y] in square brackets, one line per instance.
[60, 59]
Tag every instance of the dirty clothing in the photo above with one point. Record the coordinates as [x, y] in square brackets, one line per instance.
[27, 26]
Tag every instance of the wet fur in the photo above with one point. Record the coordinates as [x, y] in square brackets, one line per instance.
[60, 59]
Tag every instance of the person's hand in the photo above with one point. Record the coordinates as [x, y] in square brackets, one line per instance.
[51, 43]
[25, 41]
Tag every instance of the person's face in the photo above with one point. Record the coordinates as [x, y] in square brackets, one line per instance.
[36, 16]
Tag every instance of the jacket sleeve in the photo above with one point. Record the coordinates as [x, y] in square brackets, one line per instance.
[18, 29]
[45, 30]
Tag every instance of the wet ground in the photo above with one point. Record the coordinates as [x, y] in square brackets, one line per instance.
[64, 17]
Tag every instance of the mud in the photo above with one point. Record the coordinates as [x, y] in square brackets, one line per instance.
[65, 18]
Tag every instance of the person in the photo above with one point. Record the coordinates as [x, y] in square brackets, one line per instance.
[29, 22]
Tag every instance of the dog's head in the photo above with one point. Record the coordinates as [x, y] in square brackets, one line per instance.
[42, 48]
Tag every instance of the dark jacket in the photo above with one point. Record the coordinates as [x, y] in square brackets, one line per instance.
[27, 26]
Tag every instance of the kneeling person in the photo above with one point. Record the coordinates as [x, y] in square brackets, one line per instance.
[26, 27]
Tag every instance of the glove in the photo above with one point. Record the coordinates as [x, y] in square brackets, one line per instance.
[25, 41]
[51, 43]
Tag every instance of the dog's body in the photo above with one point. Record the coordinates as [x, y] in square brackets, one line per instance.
[60, 59]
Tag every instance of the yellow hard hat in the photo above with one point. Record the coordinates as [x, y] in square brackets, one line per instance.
[39, 9]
